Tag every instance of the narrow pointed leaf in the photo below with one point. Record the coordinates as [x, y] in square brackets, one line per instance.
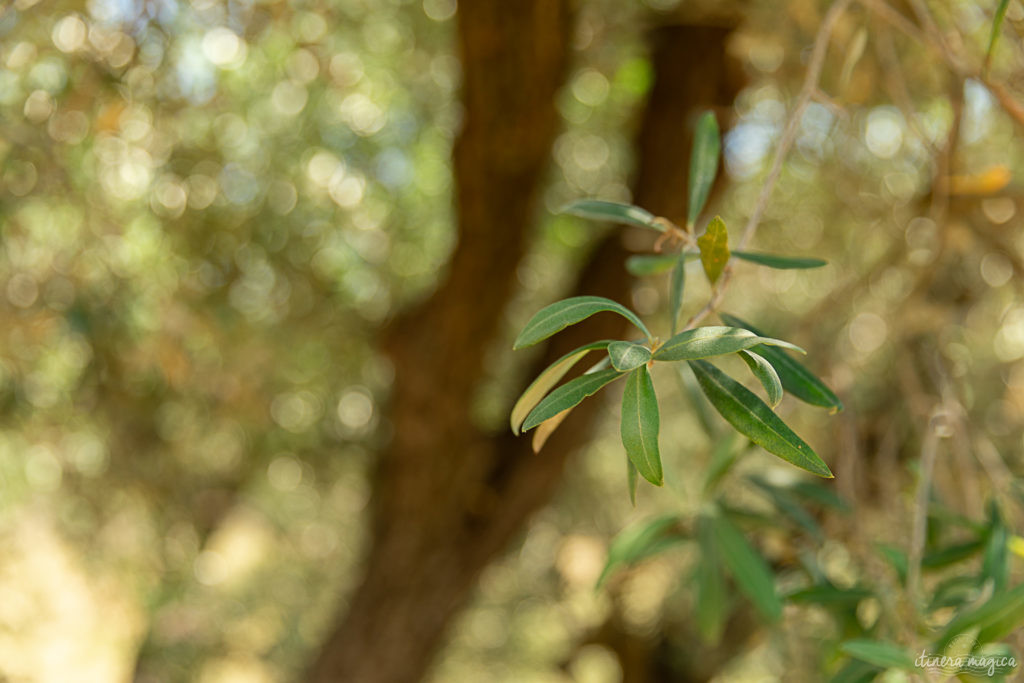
[714, 248]
[997, 25]
[631, 481]
[789, 507]
[707, 146]
[599, 210]
[640, 425]
[723, 456]
[547, 379]
[675, 293]
[751, 417]
[765, 374]
[885, 655]
[828, 594]
[561, 314]
[713, 340]
[752, 575]
[626, 356]
[856, 671]
[688, 387]
[546, 428]
[569, 395]
[999, 616]
[996, 562]
[780, 262]
[795, 377]
[649, 264]
[641, 541]
[712, 598]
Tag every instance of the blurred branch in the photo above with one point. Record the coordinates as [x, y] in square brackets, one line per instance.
[931, 36]
[807, 94]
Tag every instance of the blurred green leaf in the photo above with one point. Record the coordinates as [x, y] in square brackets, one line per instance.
[640, 541]
[626, 356]
[714, 248]
[712, 598]
[996, 559]
[547, 379]
[1003, 613]
[856, 671]
[631, 480]
[879, 653]
[688, 387]
[827, 594]
[703, 164]
[765, 374]
[569, 395]
[640, 424]
[751, 417]
[779, 262]
[751, 573]
[599, 210]
[642, 265]
[675, 292]
[723, 457]
[997, 26]
[813, 491]
[712, 340]
[785, 504]
[561, 314]
[796, 379]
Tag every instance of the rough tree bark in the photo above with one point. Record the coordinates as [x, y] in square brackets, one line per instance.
[447, 498]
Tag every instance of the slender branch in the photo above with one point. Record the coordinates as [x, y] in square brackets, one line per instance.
[933, 38]
[804, 98]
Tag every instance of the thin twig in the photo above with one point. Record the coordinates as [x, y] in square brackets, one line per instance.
[807, 93]
[955, 62]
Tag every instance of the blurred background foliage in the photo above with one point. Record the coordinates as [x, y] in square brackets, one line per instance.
[209, 207]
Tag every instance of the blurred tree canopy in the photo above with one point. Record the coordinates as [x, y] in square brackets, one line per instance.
[262, 263]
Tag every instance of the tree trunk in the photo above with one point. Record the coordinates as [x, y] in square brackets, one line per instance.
[448, 498]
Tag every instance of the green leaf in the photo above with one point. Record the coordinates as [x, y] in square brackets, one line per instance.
[817, 493]
[712, 340]
[785, 504]
[650, 264]
[827, 594]
[1003, 613]
[723, 457]
[751, 573]
[631, 480]
[707, 146]
[885, 655]
[780, 262]
[675, 290]
[569, 395]
[547, 379]
[599, 210]
[751, 417]
[712, 598]
[561, 314]
[626, 356]
[765, 374]
[640, 424]
[714, 248]
[641, 541]
[996, 562]
[997, 25]
[856, 671]
[688, 387]
[796, 379]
